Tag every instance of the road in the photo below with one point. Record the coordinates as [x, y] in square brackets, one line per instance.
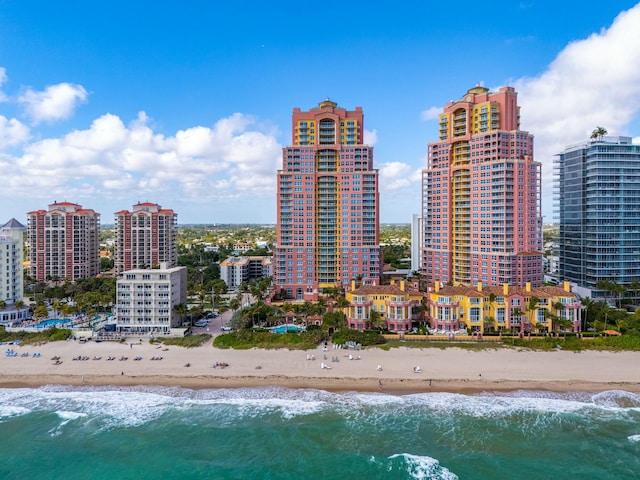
[215, 324]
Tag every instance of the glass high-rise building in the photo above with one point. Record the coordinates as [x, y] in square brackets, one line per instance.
[481, 195]
[327, 205]
[598, 203]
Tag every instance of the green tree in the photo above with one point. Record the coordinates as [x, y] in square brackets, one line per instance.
[489, 323]
[532, 307]
[598, 133]
[516, 315]
[40, 312]
[106, 264]
[181, 309]
[376, 320]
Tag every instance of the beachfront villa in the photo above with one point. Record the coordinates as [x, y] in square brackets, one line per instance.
[395, 306]
[503, 309]
[145, 300]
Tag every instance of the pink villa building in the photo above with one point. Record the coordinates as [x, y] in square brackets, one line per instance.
[328, 214]
[145, 237]
[481, 195]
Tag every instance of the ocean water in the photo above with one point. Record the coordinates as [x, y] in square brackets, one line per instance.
[71, 433]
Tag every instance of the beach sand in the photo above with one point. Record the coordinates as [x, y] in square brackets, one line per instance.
[449, 369]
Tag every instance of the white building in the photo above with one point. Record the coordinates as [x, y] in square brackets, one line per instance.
[235, 270]
[11, 268]
[11, 273]
[416, 243]
[145, 300]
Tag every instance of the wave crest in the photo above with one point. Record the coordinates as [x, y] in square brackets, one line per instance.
[423, 467]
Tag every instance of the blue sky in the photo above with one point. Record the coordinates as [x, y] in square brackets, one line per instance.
[188, 104]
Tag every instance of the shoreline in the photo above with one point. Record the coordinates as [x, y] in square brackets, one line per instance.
[335, 384]
[452, 370]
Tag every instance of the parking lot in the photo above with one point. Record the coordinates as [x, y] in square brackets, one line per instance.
[214, 327]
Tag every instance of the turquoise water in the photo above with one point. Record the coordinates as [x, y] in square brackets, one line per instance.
[287, 328]
[53, 322]
[275, 433]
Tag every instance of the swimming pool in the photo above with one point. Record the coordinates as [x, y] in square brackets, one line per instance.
[287, 328]
[53, 322]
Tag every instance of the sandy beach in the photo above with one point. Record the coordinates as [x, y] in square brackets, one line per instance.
[449, 369]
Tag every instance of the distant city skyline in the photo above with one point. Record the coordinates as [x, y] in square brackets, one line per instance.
[189, 106]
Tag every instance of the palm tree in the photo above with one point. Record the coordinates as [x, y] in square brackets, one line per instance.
[613, 287]
[634, 287]
[549, 315]
[598, 133]
[342, 304]
[587, 303]
[532, 307]
[234, 304]
[181, 309]
[376, 320]
[516, 313]
[606, 310]
[488, 324]
[3, 304]
[40, 312]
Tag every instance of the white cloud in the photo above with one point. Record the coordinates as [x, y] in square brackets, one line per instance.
[113, 160]
[398, 177]
[592, 82]
[56, 102]
[431, 113]
[3, 79]
[370, 137]
[12, 132]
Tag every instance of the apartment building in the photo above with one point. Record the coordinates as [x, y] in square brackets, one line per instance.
[146, 300]
[63, 242]
[236, 270]
[11, 261]
[327, 205]
[481, 195]
[145, 237]
[597, 186]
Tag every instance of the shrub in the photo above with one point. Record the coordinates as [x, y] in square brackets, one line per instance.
[189, 341]
[245, 339]
[365, 337]
[49, 335]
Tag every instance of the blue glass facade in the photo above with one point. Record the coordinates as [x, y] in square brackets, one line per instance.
[598, 200]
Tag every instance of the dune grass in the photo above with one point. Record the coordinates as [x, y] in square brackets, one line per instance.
[189, 341]
[245, 339]
[52, 334]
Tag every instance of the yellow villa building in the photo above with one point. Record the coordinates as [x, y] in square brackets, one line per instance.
[503, 309]
[395, 305]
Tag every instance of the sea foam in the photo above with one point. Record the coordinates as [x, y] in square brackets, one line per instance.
[135, 406]
[424, 467]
